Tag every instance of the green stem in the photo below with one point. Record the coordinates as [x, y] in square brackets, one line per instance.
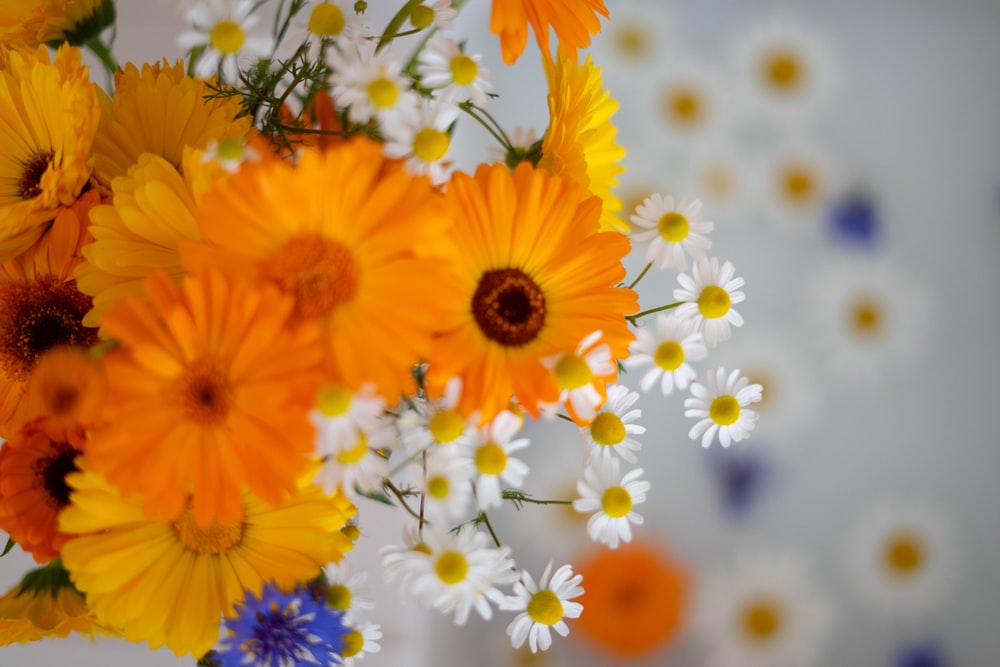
[486, 521]
[639, 277]
[469, 108]
[401, 16]
[526, 499]
[633, 318]
[103, 53]
[402, 500]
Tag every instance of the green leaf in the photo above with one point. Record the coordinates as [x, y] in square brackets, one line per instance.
[377, 496]
[10, 545]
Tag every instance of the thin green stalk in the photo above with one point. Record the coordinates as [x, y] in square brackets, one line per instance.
[486, 521]
[103, 53]
[633, 318]
[501, 138]
[639, 277]
[401, 16]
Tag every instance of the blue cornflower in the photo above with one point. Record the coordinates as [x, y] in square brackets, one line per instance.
[741, 477]
[283, 630]
[854, 221]
[925, 654]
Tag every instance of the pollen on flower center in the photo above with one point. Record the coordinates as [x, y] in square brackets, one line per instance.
[491, 459]
[205, 393]
[545, 607]
[572, 372]
[904, 554]
[52, 471]
[438, 487]
[326, 20]
[430, 145]
[798, 184]
[320, 273]
[783, 71]
[29, 185]
[355, 453]
[673, 227]
[354, 641]
[724, 410]
[211, 541]
[684, 107]
[383, 92]
[509, 307]
[865, 316]
[713, 302]
[338, 597]
[227, 37]
[762, 620]
[446, 426]
[451, 567]
[607, 429]
[616, 502]
[463, 69]
[669, 355]
[333, 400]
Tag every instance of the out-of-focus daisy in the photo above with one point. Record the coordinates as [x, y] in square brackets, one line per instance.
[543, 606]
[795, 183]
[574, 22]
[708, 297]
[437, 422]
[667, 352]
[452, 75]
[724, 180]
[369, 83]
[341, 415]
[360, 465]
[230, 154]
[763, 612]
[671, 230]
[344, 591]
[721, 406]
[868, 316]
[491, 457]
[440, 15]
[611, 498]
[322, 22]
[582, 376]
[638, 39]
[423, 139]
[221, 26]
[360, 640]
[445, 479]
[609, 432]
[685, 106]
[902, 558]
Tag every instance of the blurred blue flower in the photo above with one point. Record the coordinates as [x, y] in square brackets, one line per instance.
[283, 629]
[741, 476]
[853, 220]
[925, 654]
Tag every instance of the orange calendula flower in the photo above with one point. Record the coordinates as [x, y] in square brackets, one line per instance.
[40, 305]
[359, 243]
[67, 388]
[208, 393]
[170, 582]
[160, 110]
[535, 277]
[574, 22]
[34, 464]
[635, 599]
[580, 144]
[54, 21]
[48, 116]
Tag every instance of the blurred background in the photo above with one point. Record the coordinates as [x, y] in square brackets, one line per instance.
[864, 214]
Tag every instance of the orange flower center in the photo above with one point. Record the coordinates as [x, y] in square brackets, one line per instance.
[29, 185]
[799, 186]
[904, 554]
[51, 471]
[206, 394]
[212, 541]
[762, 620]
[37, 316]
[320, 273]
[509, 307]
[783, 71]
[865, 316]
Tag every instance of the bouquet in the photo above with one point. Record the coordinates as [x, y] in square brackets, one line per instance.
[245, 294]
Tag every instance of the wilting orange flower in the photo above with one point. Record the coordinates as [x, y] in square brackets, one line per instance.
[359, 243]
[48, 21]
[574, 22]
[53, 609]
[208, 393]
[534, 277]
[634, 601]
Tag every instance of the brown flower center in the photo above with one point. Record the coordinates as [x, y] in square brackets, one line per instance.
[29, 185]
[212, 541]
[509, 307]
[52, 471]
[205, 392]
[320, 273]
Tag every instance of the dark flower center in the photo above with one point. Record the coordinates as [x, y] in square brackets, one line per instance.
[509, 307]
[29, 185]
[53, 469]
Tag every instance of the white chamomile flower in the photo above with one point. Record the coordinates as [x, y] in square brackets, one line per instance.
[401, 562]
[359, 466]
[430, 423]
[451, 75]
[445, 479]
[581, 373]
[724, 179]
[361, 640]
[708, 297]
[612, 499]
[671, 230]
[341, 415]
[902, 558]
[667, 353]
[721, 406]
[636, 41]
[369, 83]
[230, 153]
[543, 607]
[609, 432]
[423, 139]
[440, 15]
[684, 106]
[345, 590]
[490, 456]
[762, 613]
[322, 22]
[795, 182]
[221, 27]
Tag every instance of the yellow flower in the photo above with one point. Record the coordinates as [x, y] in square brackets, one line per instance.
[160, 110]
[48, 116]
[580, 143]
[54, 21]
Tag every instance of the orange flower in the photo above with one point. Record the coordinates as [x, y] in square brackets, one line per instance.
[634, 600]
[208, 394]
[359, 244]
[534, 278]
[67, 388]
[33, 490]
[45, 604]
[574, 21]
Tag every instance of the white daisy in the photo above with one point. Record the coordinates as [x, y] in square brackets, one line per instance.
[671, 230]
[450, 74]
[684, 106]
[369, 83]
[543, 607]
[429, 423]
[762, 613]
[612, 499]
[721, 405]
[440, 15]
[321, 23]
[221, 27]
[445, 479]
[609, 432]
[490, 457]
[581, 374]
[423, 139]
[667, 353]
[708, 298]
[230, 153]
[402, 562]
[796, 180]
[724, 179]
[342, 414]
[359, 642]
[902, 559]
[345, 590]
[361, 466]
[637, 40]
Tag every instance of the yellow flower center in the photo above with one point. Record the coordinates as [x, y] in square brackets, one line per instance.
[354, 641]
[333, 400]
[509, 307]
[338, 597]
[616, 502]
[29, 185]
[545, 607]
[383, 92]
[438, 487]
[673, 227]
[607, 429]
[669, 355]
[463, 69]
[326, 20]
[684, 106]
[446, 426]
[865, 316]
[573, 372]
[713, 302]
[227, 37]
[321, 274]
[632, 41]
[451, 567]
[421, 17]
[783, 71]
[355, 453]
[762, 620]
[212, 541]
[904, 554]
[430, 145]
[724, 410]
[491, 459]
[798, 184]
